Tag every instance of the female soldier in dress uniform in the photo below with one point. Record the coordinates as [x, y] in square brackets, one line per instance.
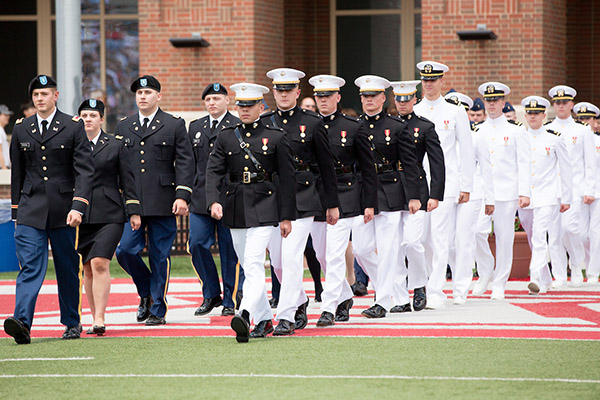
[101, 231]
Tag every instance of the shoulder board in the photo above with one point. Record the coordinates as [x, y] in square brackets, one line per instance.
[17, 122]
[581, 122]
[311, 113]
[424, 119]
[124, 118]
[515, 122]
[474, 128]
[118, 137]
[549, 122]
[267, 114]
[418, 101]
[553, 132]
[597, 133]
[395, 117]
[453, 101]
[76, 118]
[176, 116]
[274, 128]
[351, 118]
[478, 123]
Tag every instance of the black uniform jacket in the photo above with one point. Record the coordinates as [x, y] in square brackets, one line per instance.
[162, 161]
[352, 158]
[112, 171]
[50, 176]
[253, 203]
[202, 143]
[427, 142]
[315, 178]
[395, 158]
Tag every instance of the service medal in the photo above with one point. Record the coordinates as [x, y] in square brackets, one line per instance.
[302, 130]
[387, 136]
[416, 134]
[343, 134]
[597, 149]
[446, 123]
[574, 139]
[264, 142]
[506, 140]
[547, 151]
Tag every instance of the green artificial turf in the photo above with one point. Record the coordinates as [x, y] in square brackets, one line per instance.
[418, 357]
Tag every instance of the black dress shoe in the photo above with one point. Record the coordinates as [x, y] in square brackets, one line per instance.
[144, 309]
[284, 328]
[375, 311]
[99, 330]
[300, 319]
[241, 327]
[262, 329]
[274, 302]
[90, 331]
[154, 320]
[208, 305]
[342, 312]
[227, 312]
[17, 329]
[326, 319]
[360, 289]
[419, 299]
[72, 332]
[402, 308]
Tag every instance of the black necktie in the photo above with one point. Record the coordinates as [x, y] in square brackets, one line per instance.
[44, 128]
[214, 126]
[92, 145]
[145, 124]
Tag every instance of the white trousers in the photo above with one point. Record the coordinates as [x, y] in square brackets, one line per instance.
[412, 248]
[593, 269]
[386, 230]
[288, 264]
[483, 255]
[504, 230]
[250, 246]
[336, 288]
[585, 215]
[467, 217]
[571, 234]
[537, 222]
[364, 248]
[437, 236]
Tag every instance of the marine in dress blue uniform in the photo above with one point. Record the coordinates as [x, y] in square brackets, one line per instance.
[203, 133]
[163, 166]
[51, 181]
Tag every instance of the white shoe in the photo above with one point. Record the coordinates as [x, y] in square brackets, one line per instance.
[592, 280]
[497, 294]
[480, 286]
[576, 277]
[533, 288]
[558, 284]
[434, 303]
[544, 288]
[460, 300]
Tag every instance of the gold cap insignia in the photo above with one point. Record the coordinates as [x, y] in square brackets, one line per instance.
[560, 93]
[583, 109]
[490, 89]
[428, 68]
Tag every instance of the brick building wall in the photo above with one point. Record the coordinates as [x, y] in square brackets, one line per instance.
[528, 54]
[583, 56]
[242, 34]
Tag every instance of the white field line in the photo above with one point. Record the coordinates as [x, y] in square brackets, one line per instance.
[326, 377]
[46, 359]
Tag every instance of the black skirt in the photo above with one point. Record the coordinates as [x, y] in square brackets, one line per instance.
[99, 240]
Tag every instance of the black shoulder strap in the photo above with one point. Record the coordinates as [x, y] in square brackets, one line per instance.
[378, 153]
[244, 147]
[273, 121]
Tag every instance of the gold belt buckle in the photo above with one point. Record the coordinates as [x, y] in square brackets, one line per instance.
[246, 177]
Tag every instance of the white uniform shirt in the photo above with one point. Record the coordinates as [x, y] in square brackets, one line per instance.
[579, 139]
[549, 156]
[597, 154]
[509, 149]
[483, 183]
[452, 126]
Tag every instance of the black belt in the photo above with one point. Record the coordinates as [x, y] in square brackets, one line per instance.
[346, 169]
[250, 177]
[306, 168]
[381, 168]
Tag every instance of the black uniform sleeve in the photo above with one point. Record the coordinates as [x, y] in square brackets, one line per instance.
[286, 171]
[17, 172]
[408, 157]
[437, 168]
[324, 158]
[184, 163]
[83, 167]
[364, 156]
[215, 172]
[127, 180]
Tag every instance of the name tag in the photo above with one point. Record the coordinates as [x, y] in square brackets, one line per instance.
[25, 145]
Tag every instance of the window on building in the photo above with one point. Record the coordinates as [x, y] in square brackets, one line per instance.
[378, 37]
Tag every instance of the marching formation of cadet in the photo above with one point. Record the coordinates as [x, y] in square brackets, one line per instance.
[415, 193]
